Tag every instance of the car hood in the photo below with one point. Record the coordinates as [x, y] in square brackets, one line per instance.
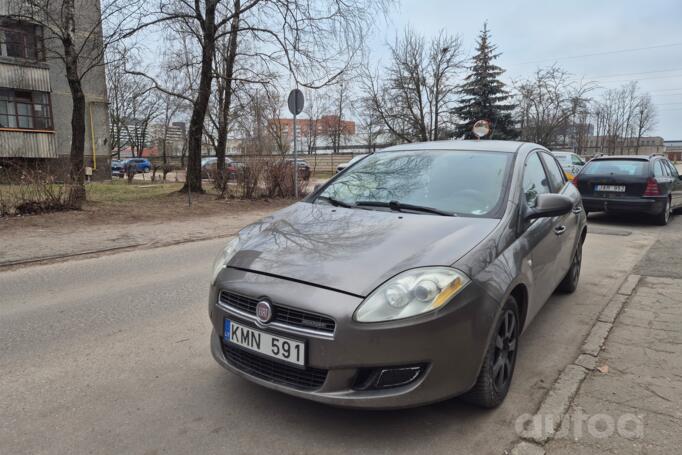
[353, 250]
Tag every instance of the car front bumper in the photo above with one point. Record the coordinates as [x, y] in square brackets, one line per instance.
[649, 205]
[449, 343]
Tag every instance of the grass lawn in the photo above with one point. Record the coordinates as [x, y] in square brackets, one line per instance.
[121, 191]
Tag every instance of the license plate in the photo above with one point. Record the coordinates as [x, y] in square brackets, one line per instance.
[281, 348]
[611, 188]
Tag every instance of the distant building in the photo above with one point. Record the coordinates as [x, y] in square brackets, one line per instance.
[325, 126]
[609, 145]
[674, 150]
[35, 101]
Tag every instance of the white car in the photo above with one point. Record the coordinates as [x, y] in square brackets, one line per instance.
[570, 162]
[353, 160]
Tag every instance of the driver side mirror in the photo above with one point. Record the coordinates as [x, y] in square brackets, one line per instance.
[548, 205]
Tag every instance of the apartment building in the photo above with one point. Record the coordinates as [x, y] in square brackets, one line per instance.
[35, 101]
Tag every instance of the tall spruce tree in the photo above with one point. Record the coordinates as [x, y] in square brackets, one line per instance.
[483, 95]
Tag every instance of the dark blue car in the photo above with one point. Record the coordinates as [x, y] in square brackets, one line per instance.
[137, 165]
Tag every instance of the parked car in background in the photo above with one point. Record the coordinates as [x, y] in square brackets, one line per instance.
[118, 168]
[570, 162]
[631, 183]
[353, 160]
[303, 167]
[406, 279]
[209, 168]
[137, 165]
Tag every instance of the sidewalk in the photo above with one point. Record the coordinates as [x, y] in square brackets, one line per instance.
[60, 235]
[633, 402]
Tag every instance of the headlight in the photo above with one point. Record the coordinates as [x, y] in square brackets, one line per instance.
[411, 293]
[224, 257]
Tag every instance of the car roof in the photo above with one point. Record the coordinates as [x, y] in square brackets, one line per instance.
[624, 157]
[465, 145]
[561, 152]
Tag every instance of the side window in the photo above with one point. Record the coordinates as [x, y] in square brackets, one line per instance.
[555, 173]
[658, 169]
[534, 179]
[577, 160]
[673, 169]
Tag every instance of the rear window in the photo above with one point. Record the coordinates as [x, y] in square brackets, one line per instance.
[617, 167]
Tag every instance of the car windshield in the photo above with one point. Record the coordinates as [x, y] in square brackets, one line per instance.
[464, 183]
[637, 168]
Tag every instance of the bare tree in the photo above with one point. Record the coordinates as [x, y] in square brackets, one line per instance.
[144, 108]
[645, 117]
[415, 100]
[621, 117]
[312, 41]
[336, 128]
[548, 103]
[316, 105]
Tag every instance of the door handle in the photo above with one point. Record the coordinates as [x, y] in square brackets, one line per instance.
[560, 229]
[577, 209]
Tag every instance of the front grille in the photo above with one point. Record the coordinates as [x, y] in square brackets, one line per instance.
[281, 314]
[269, 370]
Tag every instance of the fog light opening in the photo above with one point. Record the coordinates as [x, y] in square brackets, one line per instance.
[386, 378]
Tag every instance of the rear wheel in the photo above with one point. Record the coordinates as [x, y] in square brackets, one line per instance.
[497, 370]
[570, 281]
[662, 218]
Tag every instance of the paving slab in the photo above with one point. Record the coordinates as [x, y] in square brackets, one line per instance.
[636, 405]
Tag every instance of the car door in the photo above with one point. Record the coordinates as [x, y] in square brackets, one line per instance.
[566, 227]
[676, 185]
[539, 234]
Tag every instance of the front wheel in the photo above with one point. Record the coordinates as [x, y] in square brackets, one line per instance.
[497, 370]
[145, 170]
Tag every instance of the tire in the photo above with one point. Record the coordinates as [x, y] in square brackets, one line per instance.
[497, 370]
[570, 282]
[662, 218]
[145, 170]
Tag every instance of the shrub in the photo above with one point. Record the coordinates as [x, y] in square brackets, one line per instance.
[25, 190]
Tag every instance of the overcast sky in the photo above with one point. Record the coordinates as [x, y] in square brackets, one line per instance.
[538, 33]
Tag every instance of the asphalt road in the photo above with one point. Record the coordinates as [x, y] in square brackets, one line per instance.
[111, 355]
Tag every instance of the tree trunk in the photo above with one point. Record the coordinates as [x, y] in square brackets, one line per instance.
[76, 157]
[196, 124]
[223, 122]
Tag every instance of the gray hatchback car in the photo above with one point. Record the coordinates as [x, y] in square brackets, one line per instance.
[406, 279]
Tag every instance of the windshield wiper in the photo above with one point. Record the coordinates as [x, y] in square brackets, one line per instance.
[399, 207]
[335, 202]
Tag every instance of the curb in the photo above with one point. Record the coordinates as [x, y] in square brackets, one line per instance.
[547, 420]
[122, 248]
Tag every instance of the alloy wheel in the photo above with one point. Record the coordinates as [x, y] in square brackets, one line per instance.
[505, 351]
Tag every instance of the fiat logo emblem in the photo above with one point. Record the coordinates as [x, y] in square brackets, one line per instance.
[264, 311]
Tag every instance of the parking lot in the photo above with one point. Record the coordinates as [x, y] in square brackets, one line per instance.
[111, 355]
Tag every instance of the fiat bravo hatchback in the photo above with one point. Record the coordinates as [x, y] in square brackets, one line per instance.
[404, 280]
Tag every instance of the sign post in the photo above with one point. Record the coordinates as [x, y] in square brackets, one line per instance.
[295, 103]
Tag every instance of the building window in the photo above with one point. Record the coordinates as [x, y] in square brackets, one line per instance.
[25, 110]
[20, 40]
